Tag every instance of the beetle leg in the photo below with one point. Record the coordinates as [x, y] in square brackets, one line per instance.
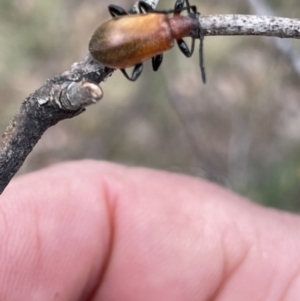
[188, 6]
[144, 7]
[193, 9]
[116, 11]
[201, 60]
[184, 48]
[156, 61]
[126, 75]
[179, 5]
[135, 73]
[137, 70]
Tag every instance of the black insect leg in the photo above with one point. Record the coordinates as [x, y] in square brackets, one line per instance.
[144, 7]
[116, 11]
[179, 5]
[185, 49]
[135, 73]
[156, 61]
[193, 8]
[201, 59]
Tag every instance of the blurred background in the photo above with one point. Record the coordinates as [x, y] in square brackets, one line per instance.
[241, 129]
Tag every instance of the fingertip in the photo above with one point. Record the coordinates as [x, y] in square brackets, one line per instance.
[56, 233]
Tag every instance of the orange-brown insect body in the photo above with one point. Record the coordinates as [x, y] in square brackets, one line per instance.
[128, 40]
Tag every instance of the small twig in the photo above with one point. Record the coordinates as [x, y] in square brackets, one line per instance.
[268, 26]
[66, 95]
[285, 47]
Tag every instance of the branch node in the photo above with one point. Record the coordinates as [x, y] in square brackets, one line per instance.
[79, 94]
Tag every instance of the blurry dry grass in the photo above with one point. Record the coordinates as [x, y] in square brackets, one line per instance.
[242, 129]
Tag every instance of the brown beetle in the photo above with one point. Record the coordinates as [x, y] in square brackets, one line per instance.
[129, 40]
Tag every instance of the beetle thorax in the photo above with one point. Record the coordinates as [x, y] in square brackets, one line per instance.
[182, 26]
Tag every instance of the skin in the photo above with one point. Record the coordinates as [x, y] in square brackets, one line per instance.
[99, 231]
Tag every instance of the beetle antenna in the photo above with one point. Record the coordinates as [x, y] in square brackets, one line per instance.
[203, 75]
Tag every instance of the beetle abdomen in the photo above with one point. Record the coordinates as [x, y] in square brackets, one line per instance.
[126, 41]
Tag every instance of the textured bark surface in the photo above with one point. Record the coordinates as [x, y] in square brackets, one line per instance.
[268, 26]
[62, 97]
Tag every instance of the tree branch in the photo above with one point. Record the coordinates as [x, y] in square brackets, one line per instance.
[233, 25]
[285, 47]
[66, 95]
[62, 97]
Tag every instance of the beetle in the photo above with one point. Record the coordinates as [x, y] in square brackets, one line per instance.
[130, 39]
